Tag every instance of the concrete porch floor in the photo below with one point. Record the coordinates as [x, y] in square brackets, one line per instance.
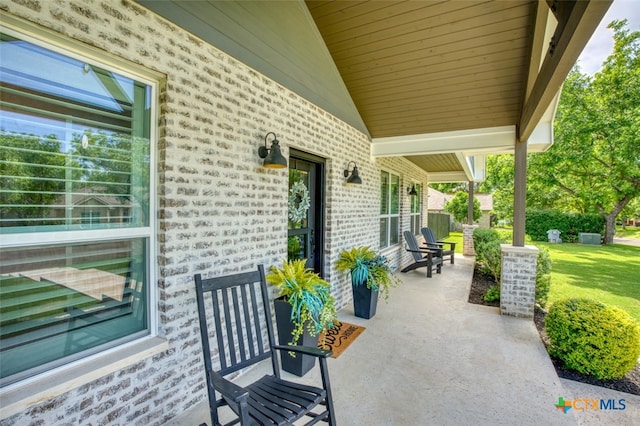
[429, 357]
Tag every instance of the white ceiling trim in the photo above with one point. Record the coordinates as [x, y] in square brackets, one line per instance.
[487, 139]
[447, 177]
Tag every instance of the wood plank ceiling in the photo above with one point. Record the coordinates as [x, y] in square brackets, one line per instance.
[430, 66]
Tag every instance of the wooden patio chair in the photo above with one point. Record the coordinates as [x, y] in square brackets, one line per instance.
[432, 243]
[422, 257]
[236, 309]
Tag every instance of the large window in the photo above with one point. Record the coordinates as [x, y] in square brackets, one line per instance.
[75, 207]
[415, 216]
[389, 209]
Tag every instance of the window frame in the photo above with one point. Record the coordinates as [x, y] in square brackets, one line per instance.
[389, 216]
[145, 342]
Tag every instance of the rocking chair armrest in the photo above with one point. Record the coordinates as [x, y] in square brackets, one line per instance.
[306, 350]
[425, 250]
[227, 388]
[452, 244]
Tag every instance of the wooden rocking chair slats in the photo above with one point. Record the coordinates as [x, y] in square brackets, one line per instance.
[422, 257]
[432, 243]
[237, 308]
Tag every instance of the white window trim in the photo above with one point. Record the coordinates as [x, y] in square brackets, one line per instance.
[20, 395]
[392, 215]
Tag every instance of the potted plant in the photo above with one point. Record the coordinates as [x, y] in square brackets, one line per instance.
[370, 274]
[303, 309]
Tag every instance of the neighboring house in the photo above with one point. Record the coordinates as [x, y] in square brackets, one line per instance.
[171, 100]
[437, 200]
[92, 207]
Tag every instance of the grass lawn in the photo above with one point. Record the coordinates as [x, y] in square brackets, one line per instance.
[455, 237]
[610, 274]
[629, 232]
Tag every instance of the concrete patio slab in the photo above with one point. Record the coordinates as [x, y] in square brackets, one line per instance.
[429, 357]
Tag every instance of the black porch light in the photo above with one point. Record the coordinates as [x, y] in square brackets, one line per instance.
[273, 158]
[411, 190]
[353, 178]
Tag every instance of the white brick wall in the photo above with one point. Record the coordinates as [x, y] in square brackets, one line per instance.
[219, 210]
[518, 280]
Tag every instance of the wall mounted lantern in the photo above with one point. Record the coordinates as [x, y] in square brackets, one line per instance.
[273, 158]
[411, 190]
[354, 178]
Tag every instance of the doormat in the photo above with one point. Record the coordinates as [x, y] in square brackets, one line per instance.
[339, 337]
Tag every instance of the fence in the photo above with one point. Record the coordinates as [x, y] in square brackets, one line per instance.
[440, 224]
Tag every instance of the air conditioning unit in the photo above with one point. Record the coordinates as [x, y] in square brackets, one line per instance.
[589, 238]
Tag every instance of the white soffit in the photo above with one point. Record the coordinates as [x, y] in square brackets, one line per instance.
[474, 140]
[541, 138]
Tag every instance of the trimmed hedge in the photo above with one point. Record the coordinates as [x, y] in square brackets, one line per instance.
[593, 338]
[538, 222]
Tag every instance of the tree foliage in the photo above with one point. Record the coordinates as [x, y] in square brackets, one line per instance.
[594, 164]
[499, 183]
[458, 206]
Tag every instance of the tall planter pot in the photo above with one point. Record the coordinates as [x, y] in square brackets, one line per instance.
[300, 364]
[365, 301]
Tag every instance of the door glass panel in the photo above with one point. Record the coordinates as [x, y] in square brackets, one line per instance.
[297, 247]
[299, 199]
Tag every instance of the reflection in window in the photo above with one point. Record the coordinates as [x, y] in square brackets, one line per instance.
[389, 209]
[415, 211]
[75, 155]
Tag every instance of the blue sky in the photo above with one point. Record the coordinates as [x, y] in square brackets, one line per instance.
[601, 43]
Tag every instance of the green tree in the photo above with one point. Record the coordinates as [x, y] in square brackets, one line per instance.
[458, 206]
[499, 183]
[32, 176]
[594, 164]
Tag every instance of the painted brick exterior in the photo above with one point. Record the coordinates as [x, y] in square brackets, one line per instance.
[518, 280]
[468, 249]
[219, 211]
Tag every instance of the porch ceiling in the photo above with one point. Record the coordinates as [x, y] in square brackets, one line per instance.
[438, 82]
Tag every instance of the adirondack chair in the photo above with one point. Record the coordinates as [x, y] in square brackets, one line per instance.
[237, 309]
[432, 243]
[422, 257]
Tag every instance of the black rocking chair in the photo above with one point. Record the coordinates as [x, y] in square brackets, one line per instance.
[422, 257]
[237, 310]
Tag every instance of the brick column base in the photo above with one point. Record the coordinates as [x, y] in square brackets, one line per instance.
[467, 240]
[518, 280]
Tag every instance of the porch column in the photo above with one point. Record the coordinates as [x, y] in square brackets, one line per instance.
[467, 240]
[470, 204]
[518, 280]
[519, 192]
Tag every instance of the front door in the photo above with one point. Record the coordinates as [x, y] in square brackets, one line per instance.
[306, 210]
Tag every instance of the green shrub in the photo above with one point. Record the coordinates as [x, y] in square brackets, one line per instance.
[538, 222]
[593, 338]
[492, 294]
[486, 243]
[543, 276]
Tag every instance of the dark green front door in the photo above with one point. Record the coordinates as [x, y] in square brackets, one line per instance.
[306, 210]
